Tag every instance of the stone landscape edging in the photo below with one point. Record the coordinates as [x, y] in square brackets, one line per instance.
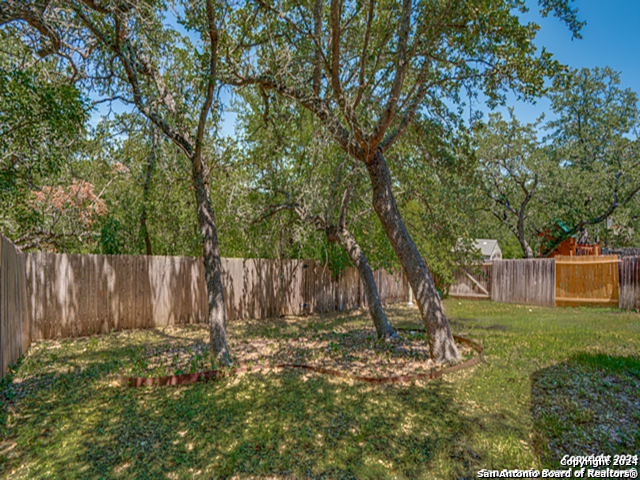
[190, 378]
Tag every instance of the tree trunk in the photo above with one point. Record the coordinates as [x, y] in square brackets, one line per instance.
[442, 346]
[212, 268]
[359, 259]
[145, 192]
[526, 249]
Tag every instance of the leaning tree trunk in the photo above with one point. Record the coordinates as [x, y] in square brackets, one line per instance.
[441, 343]
[212, 268]
[359, 259]
[526, 248]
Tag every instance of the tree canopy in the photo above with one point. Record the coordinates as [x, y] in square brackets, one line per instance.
[583, 172]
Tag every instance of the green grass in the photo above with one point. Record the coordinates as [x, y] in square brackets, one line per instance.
[554, 381]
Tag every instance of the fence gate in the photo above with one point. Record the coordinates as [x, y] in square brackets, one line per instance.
[587, 280]
[469, 285]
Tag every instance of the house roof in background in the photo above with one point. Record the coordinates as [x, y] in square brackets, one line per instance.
[486, 246]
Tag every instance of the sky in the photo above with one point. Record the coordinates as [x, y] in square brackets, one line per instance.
[611, 37]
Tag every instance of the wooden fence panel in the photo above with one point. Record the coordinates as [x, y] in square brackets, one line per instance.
[122, 285]
[90, 316]
[199, 287]
[587, 280]
[523, 281]
[298, 287]
[111, 292]
[629, 281]
[353, 282]
[25, 322]
[477, 285]
[14, 317]
[254, 292]
[76, 295]
[386, 283]
[290, 287]
[354, 288]
[160, 307]
[36, 281]
[249, 280]
[185, 289]
[320, 290]
[103, 292]
[232, 287]
[75, 312]
[309, 275]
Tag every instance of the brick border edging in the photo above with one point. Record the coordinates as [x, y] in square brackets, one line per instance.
[189, 378]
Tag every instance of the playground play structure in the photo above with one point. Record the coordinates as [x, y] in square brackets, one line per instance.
[557, 240]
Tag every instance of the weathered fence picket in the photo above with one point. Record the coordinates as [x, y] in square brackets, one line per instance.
[47, 295]
[15, 334]
[472, 285]
[523, 281]
[629, 280]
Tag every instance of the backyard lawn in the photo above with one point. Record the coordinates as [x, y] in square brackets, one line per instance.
[555, 382]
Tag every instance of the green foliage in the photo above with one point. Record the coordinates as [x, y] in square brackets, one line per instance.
[41, 129]
[436, 173]
[293, 167]
[595, 148]
[583, 173]
[39, 120]
[514, 168]
[110, 242]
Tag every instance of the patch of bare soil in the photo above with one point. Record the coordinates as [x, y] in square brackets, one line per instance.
[355, 351]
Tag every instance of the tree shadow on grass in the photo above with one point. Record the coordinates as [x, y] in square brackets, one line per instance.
[287, 423]
[587, 405]
[71, 422]
[283, 423]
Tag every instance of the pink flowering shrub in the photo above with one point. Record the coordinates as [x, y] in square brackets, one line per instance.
[68, 211]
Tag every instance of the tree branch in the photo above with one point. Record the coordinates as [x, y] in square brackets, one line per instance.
[204, 112]
[398, 81]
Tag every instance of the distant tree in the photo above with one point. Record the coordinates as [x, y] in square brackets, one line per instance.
[163, 196]
[513, 168]
[129, 52]
[595, 147]
[42, 127]
[582, 173]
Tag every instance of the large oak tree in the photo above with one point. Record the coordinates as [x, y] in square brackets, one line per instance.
[365, 69]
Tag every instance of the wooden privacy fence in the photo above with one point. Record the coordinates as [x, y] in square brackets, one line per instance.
[524, 281]
[561, 281]
[14, 325]
[47, 295]
[62, 296]
[76, 295]
[472, 285]
[586, 280]
[629, 283]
